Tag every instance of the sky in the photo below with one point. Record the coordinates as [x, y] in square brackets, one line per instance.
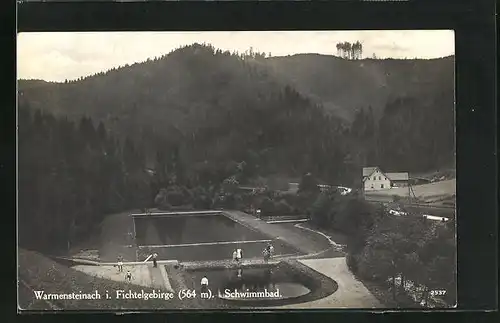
[57, 56]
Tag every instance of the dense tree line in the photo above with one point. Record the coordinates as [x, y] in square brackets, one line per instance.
[409, 255]
[71, 174]
[284, 134]
[208, 116]
[416, 254]
[410, 135]
[230, 107]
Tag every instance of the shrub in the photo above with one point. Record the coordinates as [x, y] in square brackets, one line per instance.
[353, 215]
[282, 208]
[267, 206]
[181, 208]
[352, 262]
[308, 184]
[175, 198]
[320, 211]
[304, 201]
[165, 207]
[277, 183]
[161, 197]
[200, 198]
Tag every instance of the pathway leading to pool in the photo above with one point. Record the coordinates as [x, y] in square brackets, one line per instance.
[116, 241]
[351, 293]
[304, 241]
[142, 274]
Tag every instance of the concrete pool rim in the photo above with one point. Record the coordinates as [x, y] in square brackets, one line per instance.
[319, 285]
[226, 214]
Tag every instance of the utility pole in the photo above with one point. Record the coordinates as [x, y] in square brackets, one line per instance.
[409, 190]
[362, 185]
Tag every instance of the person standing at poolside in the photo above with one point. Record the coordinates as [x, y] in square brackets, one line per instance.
[239, 254]
[204, 284]
[120, 264]
[155, 263]
[128, 276]
[266, 255]
[270, 249]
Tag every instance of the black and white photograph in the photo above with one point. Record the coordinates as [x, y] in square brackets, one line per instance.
[236, 170]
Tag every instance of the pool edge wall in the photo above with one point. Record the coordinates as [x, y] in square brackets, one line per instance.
[320, 286]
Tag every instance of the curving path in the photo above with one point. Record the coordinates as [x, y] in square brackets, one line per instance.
[351, 293]
[307, 242]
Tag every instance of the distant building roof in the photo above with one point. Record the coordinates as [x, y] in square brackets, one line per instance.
[367, 171]
[397, 176]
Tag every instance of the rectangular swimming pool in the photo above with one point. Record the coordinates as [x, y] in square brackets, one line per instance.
[204, 237]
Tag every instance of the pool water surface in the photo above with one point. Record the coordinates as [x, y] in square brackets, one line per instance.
[201, 238]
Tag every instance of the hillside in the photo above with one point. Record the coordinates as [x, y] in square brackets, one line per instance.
[225, 106]
[217, 104]
[187, 81]
[182, 89]
[344, 86]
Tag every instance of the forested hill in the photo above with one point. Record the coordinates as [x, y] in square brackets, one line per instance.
[193, 77]
[344, 86]
[221, 106]
[187, 88]
[205, 103]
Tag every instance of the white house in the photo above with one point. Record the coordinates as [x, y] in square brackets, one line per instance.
[375, 179]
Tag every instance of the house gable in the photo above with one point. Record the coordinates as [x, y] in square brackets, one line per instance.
[374, 171]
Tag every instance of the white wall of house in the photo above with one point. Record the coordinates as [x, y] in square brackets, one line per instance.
[377, 181]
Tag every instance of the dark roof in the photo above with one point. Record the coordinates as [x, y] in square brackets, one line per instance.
[397, 176]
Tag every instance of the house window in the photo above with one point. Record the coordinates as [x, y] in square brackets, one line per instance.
[381, 185]
[372, 185]
[379, 178]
